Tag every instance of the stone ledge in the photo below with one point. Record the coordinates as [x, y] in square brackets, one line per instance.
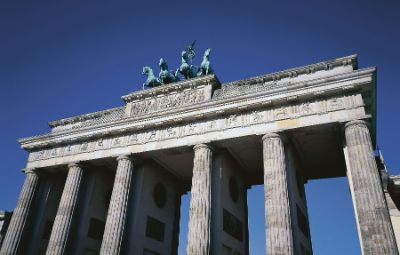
[173, 87]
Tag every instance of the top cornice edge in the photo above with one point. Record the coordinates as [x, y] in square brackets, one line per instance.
[293, 72]
[69, 120]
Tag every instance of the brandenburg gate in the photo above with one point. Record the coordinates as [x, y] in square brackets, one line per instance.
[110, 182]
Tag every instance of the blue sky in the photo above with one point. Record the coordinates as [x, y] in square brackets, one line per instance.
[63, 58]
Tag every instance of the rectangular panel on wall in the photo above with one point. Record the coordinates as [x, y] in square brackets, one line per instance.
[232, 225]
[96, 229]
[155, 229]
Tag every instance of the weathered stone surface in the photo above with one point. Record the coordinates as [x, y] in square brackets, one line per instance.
[277, 208]
[376, 232]
[179, 94]
[294, 98]
[200, 202]
[21, 213]
[163, 122]
[173, 133]
[62, 224]
[116, 217]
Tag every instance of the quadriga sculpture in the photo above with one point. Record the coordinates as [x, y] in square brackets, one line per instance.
[187, 70]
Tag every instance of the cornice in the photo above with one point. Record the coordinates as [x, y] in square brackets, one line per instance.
[294, 72]
[280, 95]
[83, 117]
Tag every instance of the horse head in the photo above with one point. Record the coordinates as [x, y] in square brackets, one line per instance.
[185, 56]
[207, 53]
[163, 64]
[147, 71]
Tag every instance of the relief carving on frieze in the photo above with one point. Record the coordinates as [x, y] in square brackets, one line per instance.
[336, 104]
[163, 102]
[221, 122]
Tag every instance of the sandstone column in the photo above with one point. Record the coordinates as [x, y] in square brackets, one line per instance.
[116, 217]
[375, 228]
[279, 233]
[200, 203]
[19, 218]
[62, 223]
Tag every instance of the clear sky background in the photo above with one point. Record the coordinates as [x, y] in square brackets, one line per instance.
[64, 58]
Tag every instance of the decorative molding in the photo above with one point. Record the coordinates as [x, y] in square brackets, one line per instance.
[167, 101]
[74, 164]
[356, 123]
[209, 110]
[273, 80]
[271, 135]
[203, 146]
[203, 126]
[86, 117]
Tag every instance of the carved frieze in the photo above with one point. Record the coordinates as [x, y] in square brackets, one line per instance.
[161, 103]
[221, 122]
[171, 96]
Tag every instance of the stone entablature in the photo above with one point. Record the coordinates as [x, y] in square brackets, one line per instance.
[250, 122]
[324, 99]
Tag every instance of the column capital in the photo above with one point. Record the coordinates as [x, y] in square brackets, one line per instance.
[274, 135]
[360, 123]
[30, 171]
[271, 135]
[74, 164]
[131, 157]
[203, 146]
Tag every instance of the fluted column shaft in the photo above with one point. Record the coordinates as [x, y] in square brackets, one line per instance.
[279, 233]
[19, 218]
[116, 217]
[198, 242]
[375, 228]
[62, 223]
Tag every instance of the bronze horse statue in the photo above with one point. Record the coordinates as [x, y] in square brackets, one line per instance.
[205, 67]
[151, 80]
[165, 76]
[187, 70]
